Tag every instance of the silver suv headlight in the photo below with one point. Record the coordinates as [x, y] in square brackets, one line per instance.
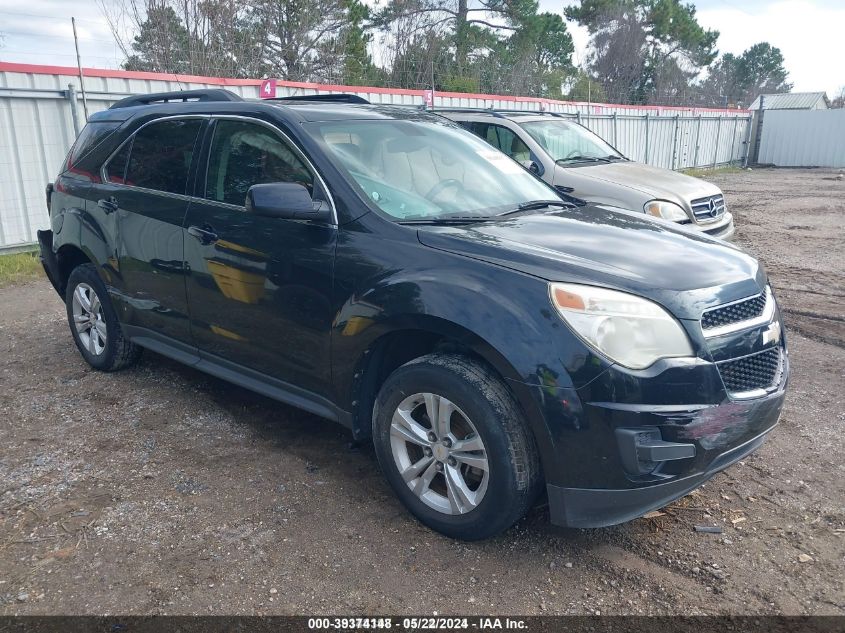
[666, 210]
[629, 330]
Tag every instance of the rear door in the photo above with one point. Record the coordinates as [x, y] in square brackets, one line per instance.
[259, 289]
[144, 187]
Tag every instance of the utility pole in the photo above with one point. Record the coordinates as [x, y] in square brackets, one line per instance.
[758, 136]
[431, 75]
[79, 66]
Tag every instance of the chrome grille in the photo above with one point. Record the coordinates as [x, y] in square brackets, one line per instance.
[752, 373]
[734, 312]
[708, 209]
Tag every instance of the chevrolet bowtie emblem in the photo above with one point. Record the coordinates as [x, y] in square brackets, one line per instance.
[772, 333]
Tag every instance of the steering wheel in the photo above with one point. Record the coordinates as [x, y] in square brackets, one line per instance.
[441, 186]
[572, 154]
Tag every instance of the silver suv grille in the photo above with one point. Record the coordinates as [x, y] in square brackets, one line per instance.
[708, 209]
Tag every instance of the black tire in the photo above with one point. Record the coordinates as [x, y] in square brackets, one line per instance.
[515, 477]
[118, 352]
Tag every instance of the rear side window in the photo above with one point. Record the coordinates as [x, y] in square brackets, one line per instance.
[90, 137]
[116, 167]
[161, 155]
[487, 132]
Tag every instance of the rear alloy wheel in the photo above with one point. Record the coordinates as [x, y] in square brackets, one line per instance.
[89, 320]
[93, 322]
[454, 447]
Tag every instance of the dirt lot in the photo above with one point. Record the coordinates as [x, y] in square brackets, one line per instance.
[161, 490]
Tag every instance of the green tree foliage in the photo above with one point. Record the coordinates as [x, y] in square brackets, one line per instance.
[738, 80]
[487, 45]
[761, 70]
[461, 24]
[644, 50]
[641, 51]
[358, 67]
[536, 58]
[582, 87]
[162, 44]
[199, 37]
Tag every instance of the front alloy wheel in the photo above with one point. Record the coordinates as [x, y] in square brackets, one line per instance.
[452, 442]
[439, 453]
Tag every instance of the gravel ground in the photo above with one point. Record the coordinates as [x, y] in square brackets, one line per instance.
[162, 490]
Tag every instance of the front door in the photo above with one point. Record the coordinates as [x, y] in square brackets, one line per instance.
[259, 289]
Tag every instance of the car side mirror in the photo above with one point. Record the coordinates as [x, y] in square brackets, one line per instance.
[285, 200]
[531, 166]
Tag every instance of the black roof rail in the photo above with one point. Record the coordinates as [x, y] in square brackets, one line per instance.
[501, 112]
[206, 94]
[489, 111]
[533, 112]
[331, 98]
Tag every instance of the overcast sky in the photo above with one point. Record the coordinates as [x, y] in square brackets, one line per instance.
[810, 33]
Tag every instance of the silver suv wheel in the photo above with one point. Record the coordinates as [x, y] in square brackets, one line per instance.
[439, 453]
[89, 320]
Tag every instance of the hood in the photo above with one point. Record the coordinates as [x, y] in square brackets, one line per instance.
[654, 182]
[685, 271]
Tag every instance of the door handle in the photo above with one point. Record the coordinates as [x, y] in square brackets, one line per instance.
[205, 234]
[109, 205]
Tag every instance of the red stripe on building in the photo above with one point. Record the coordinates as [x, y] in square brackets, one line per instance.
[38, 69]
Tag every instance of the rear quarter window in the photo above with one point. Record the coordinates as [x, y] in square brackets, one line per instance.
[91, 136]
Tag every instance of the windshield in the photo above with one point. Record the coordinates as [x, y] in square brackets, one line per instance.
[566, 141]
[419, 170]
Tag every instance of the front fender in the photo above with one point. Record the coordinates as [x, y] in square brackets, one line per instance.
[501, 315]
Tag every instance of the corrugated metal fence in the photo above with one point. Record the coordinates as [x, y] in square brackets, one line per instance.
[803, 138]
[41, 113]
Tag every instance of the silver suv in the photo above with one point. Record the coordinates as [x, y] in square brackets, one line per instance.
[581, 164]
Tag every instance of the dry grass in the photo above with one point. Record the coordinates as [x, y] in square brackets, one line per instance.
[19, 267]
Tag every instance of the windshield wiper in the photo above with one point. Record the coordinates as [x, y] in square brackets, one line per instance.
[610, 157]
[582, 159]
[537, 204]
[448, 219]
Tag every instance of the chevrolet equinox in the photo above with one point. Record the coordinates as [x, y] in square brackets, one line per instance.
[384, 268]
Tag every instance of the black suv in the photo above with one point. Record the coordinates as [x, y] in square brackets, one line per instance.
[384, 268]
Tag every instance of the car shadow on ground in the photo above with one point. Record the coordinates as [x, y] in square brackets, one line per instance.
[323, 444]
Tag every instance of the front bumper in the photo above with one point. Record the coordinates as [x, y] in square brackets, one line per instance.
[583, 508]
[723, 229]
[603, 476]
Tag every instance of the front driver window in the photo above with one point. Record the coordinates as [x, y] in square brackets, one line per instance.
[504, 139]
[512, 145]
[245, 154]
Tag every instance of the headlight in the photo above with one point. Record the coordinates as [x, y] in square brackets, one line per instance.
[666, 210]
[629, 330]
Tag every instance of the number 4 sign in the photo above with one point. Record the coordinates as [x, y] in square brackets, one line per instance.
[268, 89]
